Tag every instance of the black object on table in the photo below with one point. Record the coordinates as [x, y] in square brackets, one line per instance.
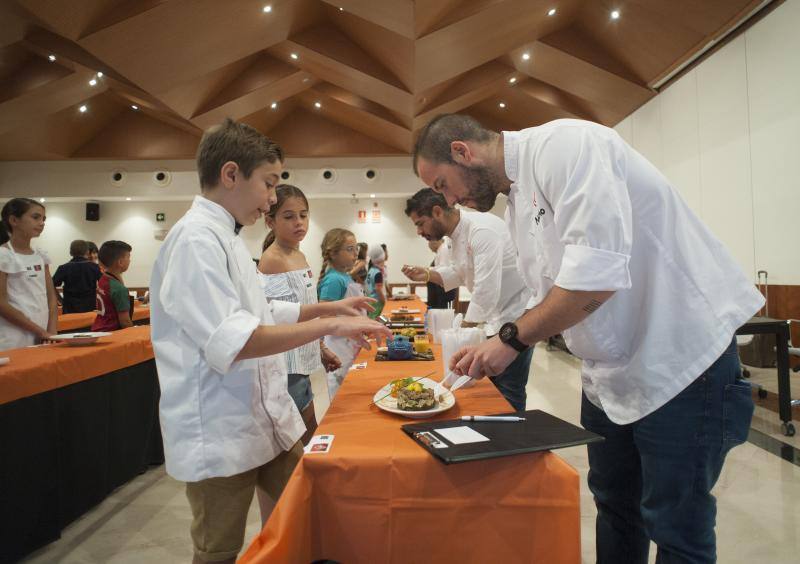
[63, 451]
[540, 431]
[781, 329]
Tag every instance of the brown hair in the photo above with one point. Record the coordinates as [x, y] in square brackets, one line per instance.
[433, 141]
[16, 207]
[332, 243]
[78, 248]
[111, 251]
[283, 193]
[237, 142]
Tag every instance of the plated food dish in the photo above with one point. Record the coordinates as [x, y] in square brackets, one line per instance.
[414, 399]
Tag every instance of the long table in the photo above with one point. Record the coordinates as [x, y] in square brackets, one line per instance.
[379, 497]
[75, 423]
[68, 322]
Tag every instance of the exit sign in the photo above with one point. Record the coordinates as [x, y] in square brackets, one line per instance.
[160, 217]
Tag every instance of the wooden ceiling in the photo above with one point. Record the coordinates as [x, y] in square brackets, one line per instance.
[326, 78]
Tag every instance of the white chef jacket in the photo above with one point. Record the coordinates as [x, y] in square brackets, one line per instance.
[26, 288]
[444, 253]
[587, 212]
[485, 261]
[219, 417]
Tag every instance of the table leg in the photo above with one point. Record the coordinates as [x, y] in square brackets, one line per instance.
[784, 389]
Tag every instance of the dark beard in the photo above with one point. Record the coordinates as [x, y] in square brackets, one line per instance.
[482, 186]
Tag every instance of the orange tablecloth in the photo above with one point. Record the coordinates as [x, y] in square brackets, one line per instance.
[34, 370]
[75, 321]
[379, 497]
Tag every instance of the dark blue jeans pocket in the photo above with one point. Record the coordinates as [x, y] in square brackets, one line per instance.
[737, 411]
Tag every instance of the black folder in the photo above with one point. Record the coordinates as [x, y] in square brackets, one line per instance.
[539, 431]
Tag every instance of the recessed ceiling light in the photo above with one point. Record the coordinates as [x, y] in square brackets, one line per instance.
[83, 109]
[99, 75]
[502, 105]
[41, 200]
[526, 56]
[615, 15]
[51, 58]
[134, 107]
[267, 9]
[552, 12]
[128, 199]
[317, 105]
[341, 9]
[273, 105]
[93, 82]
[294, 56]
[372, 195]
[512, 80]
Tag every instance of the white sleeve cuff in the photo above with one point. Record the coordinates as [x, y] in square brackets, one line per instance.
[450, 277]
[588, 269]
[475, 313]
[285, 312]
[228, 339]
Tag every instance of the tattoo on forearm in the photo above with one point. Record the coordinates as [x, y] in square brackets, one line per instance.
[592, 306]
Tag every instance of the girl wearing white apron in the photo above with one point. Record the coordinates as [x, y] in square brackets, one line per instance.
[28, 310]
[339, 252]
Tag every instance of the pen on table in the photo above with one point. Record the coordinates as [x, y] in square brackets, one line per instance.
[510, 418]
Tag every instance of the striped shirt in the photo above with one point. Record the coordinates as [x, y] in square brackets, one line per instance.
[295, 286]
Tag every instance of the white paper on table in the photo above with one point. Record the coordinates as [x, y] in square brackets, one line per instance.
[461, 435]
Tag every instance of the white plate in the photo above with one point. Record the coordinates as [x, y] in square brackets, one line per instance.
[80, 339]
[390, 404]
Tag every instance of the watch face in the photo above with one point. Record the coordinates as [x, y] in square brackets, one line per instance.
[508, 331]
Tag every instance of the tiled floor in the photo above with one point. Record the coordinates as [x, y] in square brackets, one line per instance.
[758, 519]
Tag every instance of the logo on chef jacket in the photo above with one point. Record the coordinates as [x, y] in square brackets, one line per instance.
[539, 216]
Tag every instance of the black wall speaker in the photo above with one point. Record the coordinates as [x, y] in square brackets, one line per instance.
[92, 211]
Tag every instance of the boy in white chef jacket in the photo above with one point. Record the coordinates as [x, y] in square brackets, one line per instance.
[227, 419]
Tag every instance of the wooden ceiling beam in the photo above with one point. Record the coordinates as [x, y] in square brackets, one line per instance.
[484, 36]
[469, 89]
[395, 15]
[337, 62]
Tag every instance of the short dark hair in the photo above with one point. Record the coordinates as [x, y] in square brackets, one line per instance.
[111, 251]
[433, 141]
[237, 142]
[423, 202]
[78, 248]
[92, 247]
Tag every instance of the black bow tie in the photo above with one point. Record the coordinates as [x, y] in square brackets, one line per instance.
[237, 227]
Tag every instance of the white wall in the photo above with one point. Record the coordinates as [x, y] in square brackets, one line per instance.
[727, 135]
[134, 223]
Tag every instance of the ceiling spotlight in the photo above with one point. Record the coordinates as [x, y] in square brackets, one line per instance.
[99, 75]
[317, 105]
[341, 9]
[128, 199]
[273, 105]
[51, 58]
[93, 82]
[83, 109]
[267, 9]
[615, 15]
[372, 195]
[41, 200]
[294, 56]
[526, 56]
[502, 105]
[551, 12]
[134, 107]
[512, 80]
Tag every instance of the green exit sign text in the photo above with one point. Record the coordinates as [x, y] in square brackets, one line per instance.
[160, 217]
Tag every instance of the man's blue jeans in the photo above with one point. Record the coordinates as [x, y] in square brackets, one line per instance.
[652, 479]
[513, 380]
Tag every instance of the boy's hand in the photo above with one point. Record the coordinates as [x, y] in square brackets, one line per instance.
[359, 329]
[354, 306]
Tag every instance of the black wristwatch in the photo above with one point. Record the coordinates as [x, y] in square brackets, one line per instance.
[508, 335]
